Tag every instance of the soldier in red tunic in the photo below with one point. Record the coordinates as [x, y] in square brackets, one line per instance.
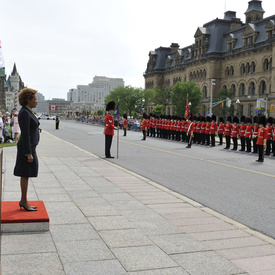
[235, 133]
[203, 130]
[109, 128]
[255, 134]
[262, 136]
[242, 133]
[221, 130]
[228, 131]
[273, 139]
[269, 135]
[213, 130]
[190, 130]
[248, 134]
[144, 126]
[124, 125]
[207, 131]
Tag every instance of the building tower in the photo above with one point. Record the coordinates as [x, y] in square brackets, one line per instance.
[254, 12]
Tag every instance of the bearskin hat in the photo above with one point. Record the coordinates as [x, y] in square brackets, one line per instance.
[243, 119]
[110, 106]
[262, 120]
[235, 119]
[125, 116]
[208, 119]
[221, 119]
[255, 119]
[248, 120]
[144, 115]
[229, 118]
[270, 120]
[213, 117]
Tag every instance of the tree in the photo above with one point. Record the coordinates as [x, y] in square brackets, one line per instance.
[222, 110]
[100, 112]
[180, 92]
[158, 110]
[162, 96]
[130, 99]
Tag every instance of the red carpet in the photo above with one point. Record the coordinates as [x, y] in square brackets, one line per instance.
[11, 213]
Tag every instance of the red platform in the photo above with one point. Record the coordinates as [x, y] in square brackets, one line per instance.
[14, 219]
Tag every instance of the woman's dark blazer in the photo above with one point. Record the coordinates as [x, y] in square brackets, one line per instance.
[29, 126]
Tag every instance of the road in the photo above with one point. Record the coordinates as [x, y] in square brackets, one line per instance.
[229, 182]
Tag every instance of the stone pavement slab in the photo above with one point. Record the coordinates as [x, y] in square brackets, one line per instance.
[107, 220]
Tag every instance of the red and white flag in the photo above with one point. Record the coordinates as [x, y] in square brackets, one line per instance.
[2, 61]
[52, 107]
[187, 113]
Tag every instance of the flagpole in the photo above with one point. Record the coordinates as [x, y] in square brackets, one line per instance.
[117, 147]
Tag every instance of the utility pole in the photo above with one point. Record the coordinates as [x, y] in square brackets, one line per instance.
[213, 83]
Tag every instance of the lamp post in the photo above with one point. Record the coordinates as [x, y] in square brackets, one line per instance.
[238, 104]
[213, 83]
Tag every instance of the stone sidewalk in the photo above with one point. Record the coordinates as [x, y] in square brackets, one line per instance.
[107, 220]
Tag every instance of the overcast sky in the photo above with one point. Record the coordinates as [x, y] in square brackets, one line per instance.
[59, 44]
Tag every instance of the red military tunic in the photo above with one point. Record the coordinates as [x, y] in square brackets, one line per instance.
[221, 128]
[109, 125]
[242, 130]
[235, 131]
[269, 132]
[207, 128]
[262, 135]
[248, 131]
[213, 128]
[228, 129]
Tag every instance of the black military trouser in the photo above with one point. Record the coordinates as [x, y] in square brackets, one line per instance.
[243, 143]
[248, 144]
[255, 146]
[268, 147]
[220, 136]
[213, 141]
[261, 152]
[227, 138]
[108, 143]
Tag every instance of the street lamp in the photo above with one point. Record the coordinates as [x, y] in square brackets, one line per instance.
[238, 104]
[213, 83]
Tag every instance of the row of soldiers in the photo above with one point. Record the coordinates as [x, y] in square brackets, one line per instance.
[203, 130]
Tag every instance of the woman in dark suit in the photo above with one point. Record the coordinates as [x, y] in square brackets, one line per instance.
[26, 165]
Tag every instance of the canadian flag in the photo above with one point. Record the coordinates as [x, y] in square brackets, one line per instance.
[2, 61]
[52, 107]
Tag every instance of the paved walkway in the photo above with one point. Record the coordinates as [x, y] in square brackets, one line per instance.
[107, 220]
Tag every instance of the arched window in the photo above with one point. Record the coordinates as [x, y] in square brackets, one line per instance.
[242, 90]
[233, 89]
[242, 69]
[248, 68]
[204, 73]
[266, 65]
[262, 87]
[253, 67]
[227, 72]
[204, 91]
[224, 87]
[231, 71]
[252, 88]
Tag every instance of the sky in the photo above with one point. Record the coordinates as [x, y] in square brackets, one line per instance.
[59, 44]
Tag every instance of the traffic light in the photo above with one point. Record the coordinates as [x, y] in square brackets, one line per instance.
[228, 102]
[271, 108]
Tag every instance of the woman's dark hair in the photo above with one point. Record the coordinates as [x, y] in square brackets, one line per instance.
[25, 95]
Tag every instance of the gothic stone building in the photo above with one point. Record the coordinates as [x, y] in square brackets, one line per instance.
[237, 55]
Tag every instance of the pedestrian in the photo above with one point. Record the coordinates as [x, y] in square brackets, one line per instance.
[221, 130]
[235, 133]
[228, 132]
[242, 133]
[57, 123]
[26, 165]
[144, 126]
[262, 136]
[109, 128]
[124, 125]
[16, 127]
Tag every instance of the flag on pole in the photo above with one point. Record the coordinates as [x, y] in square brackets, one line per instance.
[52, 107]
[187, 113]
[116, 114]
[2, 61]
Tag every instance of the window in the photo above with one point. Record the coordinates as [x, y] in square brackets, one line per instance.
[242, 92]
[252, 88]
[233, 89]
[204, 91]
[231, 71]
[248, 68]
[262, 87]
[253, 67]
[242, 69]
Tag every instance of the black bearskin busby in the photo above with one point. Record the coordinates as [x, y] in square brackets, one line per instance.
[243, 119]
[262, 120]
[248, 120]
[229, 119]
[221, 119]
[125, 116]
[235, 119]
[213, 118]
[270, 120]
[255, 119]
[110, 106]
